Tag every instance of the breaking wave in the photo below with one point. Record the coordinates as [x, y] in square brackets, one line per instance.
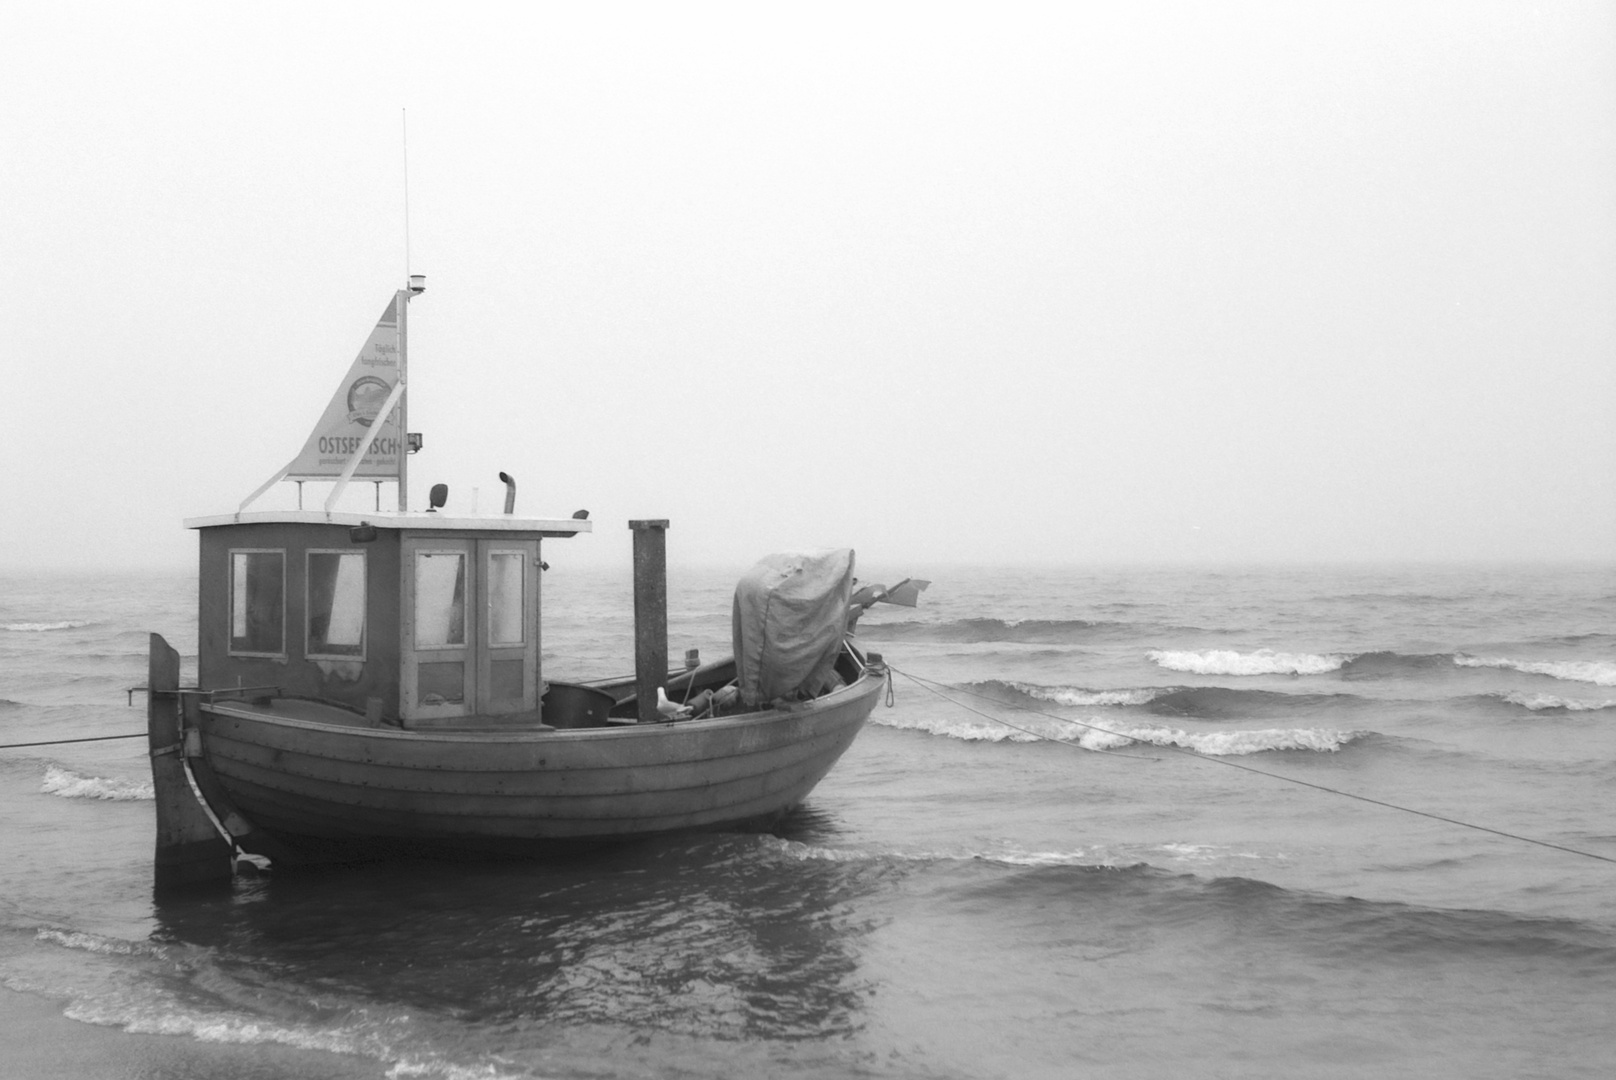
[1261, 662]
[1366, 665]
[1600, 673]
[1240, 743]
[1076, 695]
[1205, 702]
[1117, 733]
[42, 627]
[980, 631]
[71, 785]
[1548, 702]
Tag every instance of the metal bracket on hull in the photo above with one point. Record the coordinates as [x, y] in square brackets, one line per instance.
[241, 832]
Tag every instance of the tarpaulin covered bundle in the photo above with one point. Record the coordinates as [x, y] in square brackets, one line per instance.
[790, 616]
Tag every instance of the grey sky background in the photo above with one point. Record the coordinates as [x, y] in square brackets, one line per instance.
[1122, 282]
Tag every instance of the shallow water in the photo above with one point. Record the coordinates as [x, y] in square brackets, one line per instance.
[1102, 887]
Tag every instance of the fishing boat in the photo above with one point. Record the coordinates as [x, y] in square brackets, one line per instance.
[370, 685]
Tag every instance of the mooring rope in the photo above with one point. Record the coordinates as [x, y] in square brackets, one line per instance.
[59, 742]
[933, 687]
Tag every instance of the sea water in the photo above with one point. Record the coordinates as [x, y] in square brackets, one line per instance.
[1115, 823]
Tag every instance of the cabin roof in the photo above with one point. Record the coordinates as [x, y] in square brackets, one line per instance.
[392, 519]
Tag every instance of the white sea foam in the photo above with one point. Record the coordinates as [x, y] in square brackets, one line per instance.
[381, 1035]
[364, 1034]
[795, 849]
[1598, 672]
[1261, 662]
[93, 943]
[1131, 855]
[1539, 702]
[1114, 734]
[953, 727]
[41, 627]
[1235, 743]
[71, 785]
[1206, 853]
[1074, 695]
[449, 1071]
[1027, 728]
[1099, 855]
[1095, 856]
[168, 1019]
[1080, 857]
[1098, 738]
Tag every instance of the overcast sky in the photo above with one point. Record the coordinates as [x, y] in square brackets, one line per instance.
[1121, 282]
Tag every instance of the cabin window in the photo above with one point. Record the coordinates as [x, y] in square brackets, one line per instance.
[258, 603]
[336, 604]
[505, 598]
[440, 599]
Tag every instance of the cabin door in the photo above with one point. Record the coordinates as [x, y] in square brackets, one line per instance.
[470, 629]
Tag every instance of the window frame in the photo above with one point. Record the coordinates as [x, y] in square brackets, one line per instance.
[308, 606]
[467, 599]
[230, 607]
[521, 600]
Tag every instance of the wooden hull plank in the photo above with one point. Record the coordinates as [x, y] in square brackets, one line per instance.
[339, 788]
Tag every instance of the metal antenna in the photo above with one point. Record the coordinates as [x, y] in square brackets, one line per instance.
[404, 118]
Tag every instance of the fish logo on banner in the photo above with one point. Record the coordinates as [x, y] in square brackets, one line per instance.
[366, 396]
[351, 417]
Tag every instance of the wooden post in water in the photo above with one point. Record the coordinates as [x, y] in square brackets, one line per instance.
[650, 612]
[190, 851]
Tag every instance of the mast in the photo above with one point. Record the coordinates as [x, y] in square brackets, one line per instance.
[404, 402]
[414, 284]
[417, 286]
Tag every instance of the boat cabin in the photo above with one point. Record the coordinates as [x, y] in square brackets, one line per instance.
[403, 617]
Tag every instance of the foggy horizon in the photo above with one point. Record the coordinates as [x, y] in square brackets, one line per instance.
[1172, 285]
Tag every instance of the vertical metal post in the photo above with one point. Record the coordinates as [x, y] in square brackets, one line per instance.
[404, 295]
[650, 612]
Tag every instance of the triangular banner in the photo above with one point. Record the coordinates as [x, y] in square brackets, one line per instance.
[351, 417]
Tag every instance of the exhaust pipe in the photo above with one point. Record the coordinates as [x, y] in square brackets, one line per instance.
[510, 492]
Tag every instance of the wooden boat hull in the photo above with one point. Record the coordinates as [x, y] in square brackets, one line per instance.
[340, 791]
